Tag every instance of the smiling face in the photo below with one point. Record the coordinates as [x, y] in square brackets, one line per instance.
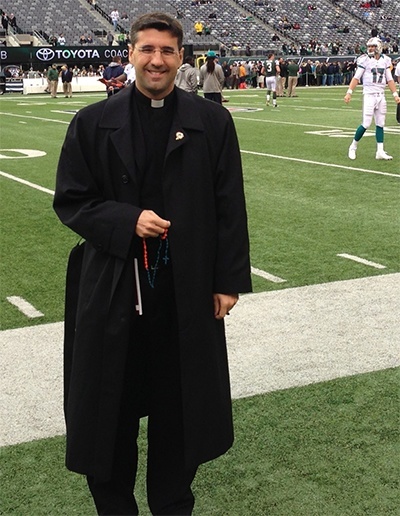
[155, 71]
[372, 50]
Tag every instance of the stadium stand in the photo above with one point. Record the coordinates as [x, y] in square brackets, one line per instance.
[323, 27]
[385, 18]
[71, 18]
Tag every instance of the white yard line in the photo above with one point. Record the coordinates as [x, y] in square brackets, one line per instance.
[27, 183]
[320, 163]
[24, 307]
[267, 275]
[36, 118]
[388, 129]
[361, 260]
[282, 122]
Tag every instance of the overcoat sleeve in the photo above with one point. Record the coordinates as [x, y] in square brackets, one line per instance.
[85, 199]
[232, 267]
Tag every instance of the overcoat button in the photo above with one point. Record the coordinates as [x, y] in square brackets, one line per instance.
[99, 247]
[125, 179]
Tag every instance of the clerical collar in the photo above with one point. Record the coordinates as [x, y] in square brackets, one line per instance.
[156, 103]
[167, 101]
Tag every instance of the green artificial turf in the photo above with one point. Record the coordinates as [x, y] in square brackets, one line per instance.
[328, 449]
[303, 211]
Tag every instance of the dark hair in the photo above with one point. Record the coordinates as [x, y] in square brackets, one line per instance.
[158, 21]
[210, 62]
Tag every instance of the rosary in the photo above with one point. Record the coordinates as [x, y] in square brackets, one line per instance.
[152, 271]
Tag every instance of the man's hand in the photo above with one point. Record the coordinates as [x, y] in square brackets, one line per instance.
[223, 303]
[149, 224]
[347, 98]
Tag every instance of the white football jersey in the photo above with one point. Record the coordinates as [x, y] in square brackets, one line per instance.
[130, 72]
[375, 73]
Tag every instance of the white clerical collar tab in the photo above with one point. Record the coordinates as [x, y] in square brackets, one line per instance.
[157, 103]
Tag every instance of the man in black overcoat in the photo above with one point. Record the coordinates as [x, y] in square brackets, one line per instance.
[151, 179]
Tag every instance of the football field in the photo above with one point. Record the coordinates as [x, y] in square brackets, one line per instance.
[314, 351]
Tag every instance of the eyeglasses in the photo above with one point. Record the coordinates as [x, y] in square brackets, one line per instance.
[165, 51]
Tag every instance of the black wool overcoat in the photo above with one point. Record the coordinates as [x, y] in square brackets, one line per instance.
[97, 196]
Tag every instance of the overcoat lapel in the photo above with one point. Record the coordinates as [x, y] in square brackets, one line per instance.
[121, 114]
[186, 118]
[128, 138]
[117, 115]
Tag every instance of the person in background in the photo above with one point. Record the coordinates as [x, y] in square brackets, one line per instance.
[121, 38]
[234, 76]
[227, 74]
[110, 39]
[198, 27]
[45, 74]
[4, 20]
[293, 73]
[271, 70]
[186, 77]
[113, 70]
[152, 180]
[66, 79]
[12, 20]
[375, 71]
[52, 76]
[114, 15]
[397, 76]
[129, 75]
[212, 78]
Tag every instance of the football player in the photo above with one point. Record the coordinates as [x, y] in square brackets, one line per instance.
[397, 75]
[271, 70]
[374, 69]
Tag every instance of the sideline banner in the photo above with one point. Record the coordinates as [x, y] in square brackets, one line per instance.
[60, 55]
[79, 85]
[14, 85]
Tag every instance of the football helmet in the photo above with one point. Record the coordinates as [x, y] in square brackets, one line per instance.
[374, 42]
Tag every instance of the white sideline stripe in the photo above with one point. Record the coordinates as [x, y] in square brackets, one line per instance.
[24, 307]
[321, 164]
[36, 118]
[27, 183]
[267, 275]
[362, 260]
[276, 340]
[237, 116]
[282, 122]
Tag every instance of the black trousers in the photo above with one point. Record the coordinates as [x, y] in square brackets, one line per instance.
[216, 97]
[151, 386]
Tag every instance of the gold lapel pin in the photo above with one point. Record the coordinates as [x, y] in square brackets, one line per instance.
[179, 136]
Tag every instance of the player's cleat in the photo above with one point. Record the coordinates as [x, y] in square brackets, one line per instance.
[352, 152]
[275, 105]
[267, 103]
[383, 155]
